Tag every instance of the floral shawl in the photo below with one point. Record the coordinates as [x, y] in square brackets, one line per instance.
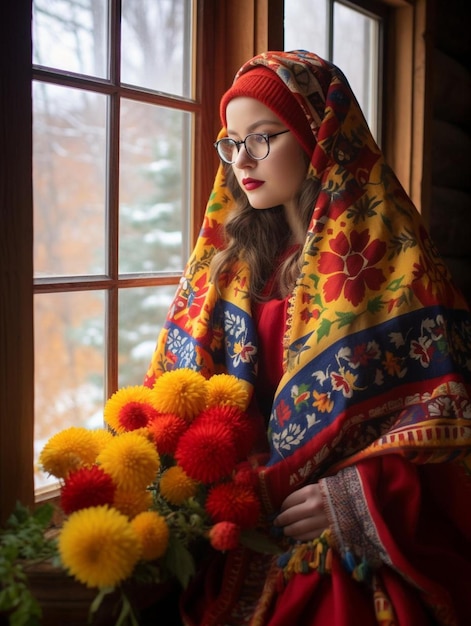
[377, 349]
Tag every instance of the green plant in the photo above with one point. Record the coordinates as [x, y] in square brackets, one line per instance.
[23, 539]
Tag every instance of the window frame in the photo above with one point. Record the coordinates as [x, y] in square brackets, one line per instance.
[236, 33]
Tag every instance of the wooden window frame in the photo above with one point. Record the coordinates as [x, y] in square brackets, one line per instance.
[231, 33]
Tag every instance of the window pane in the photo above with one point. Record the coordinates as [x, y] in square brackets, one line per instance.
[356, 40]
[69, 179]
[71, 36]
[157, 45]
[142, 313]
[154, 188]
[69, 365]
[306, 26]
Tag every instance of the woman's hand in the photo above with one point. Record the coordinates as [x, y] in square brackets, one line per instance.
[302, 514]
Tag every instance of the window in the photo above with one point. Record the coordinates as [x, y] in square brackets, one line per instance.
[226, 34]
[350, 36]
[114, 118]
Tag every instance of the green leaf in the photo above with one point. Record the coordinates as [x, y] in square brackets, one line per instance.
[179, 561]
[43, 514]
[395, 284]
[375, 304]
[324, 329]
[345, 319]
[216, 206]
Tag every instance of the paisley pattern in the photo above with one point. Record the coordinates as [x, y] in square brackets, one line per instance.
[378, 342]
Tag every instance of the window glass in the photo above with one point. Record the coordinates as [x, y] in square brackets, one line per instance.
[355, 51]
[69, 365]
[113, 165]
[154, 187]
[69, 179]
[71, 36]
[347, 36]
[306, 26]
[156, 45]
[142, 313]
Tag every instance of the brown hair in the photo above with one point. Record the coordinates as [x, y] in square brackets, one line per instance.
[259, 238]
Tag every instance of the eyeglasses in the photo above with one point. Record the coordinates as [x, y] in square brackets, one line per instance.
[257, 146]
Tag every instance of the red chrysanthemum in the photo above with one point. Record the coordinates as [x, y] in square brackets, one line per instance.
[245, 475]
[230, 502]
[86, 487]
[135, 415]
[165, 430]
[224, 536]
[238, 421]
[206, 451]
[130, 408]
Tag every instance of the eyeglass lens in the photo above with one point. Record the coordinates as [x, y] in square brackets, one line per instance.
[256, 146]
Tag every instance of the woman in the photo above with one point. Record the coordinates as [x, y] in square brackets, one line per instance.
[314, 281]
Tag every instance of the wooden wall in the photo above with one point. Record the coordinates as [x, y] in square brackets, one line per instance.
[450, 133]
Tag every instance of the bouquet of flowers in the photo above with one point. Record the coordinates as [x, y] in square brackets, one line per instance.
[171, 470]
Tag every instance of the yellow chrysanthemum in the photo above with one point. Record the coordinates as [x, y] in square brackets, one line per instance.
[99, 546]
[131, 503]
[227, 390]
[182, 392]
[130, 408]
[131, 460]
[102, 437]
[68, 450]
[153, 533]
[176, 486]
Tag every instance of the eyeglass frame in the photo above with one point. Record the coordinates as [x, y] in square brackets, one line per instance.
[237, 144]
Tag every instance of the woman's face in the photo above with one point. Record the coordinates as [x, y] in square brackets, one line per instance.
[275, 180]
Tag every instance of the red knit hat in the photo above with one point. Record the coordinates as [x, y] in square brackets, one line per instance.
[265, 86]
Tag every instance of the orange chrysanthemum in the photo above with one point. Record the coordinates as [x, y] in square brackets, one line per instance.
[86, 487]
[206, 451]
[176, 486]
[165, 430]
[68, 450]
[153, 533]
[229, 502]
[226, 390]
[182, 391]
[131, 460]
[224, 536]
[131, 503]
[130, 408]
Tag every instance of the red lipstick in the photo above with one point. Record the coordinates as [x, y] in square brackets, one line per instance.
[251, 183]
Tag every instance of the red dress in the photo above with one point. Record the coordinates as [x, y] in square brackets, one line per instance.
[404, 514]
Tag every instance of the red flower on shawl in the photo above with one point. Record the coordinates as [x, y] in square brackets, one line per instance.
[283, 413]
[363, 354]
[212, 232]
[197, 296]
[422, 350]
[351, 265]
[431, 279]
